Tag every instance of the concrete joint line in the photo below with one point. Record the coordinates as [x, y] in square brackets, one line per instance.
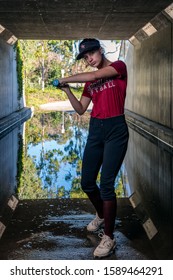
[160, 21]
[154, 136]
[155, 131]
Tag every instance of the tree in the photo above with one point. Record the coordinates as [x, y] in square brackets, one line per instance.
[45, 60]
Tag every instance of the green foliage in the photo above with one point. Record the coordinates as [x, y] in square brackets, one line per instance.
[119, 190]
[62, 192]
[37, 128]
[64, 47]
[45, 59]
[19, 158]
[76, 190]
[36, 97]
[20, 68]
[29, 184]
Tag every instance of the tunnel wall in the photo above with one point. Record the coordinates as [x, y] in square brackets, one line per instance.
[150, 78]
[8, 165]
[12, 115]
[149, 113]
[8, 79]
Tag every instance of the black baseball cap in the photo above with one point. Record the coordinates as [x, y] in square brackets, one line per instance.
[87, 45]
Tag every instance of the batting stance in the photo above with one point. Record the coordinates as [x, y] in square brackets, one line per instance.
[108, 134]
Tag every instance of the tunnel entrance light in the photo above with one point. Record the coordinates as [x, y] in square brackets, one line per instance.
[1, 28]
[169, 10]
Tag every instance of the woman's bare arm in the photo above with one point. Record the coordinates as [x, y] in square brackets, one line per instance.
[105, 72]
[80, 106]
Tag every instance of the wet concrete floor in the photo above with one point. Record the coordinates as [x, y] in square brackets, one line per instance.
[56, 230]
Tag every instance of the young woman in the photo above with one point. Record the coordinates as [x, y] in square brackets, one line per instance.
[108, 134]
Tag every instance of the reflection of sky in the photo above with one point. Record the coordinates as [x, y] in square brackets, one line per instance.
[35, 150]
[67, 171]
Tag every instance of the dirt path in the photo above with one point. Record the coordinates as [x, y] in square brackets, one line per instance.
[59, 106]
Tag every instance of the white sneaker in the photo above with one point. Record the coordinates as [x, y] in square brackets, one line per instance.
[95, 224]
[106, 247]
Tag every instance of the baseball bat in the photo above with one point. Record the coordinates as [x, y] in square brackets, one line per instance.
[57, 84]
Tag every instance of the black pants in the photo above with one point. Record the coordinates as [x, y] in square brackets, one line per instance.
[105, 148]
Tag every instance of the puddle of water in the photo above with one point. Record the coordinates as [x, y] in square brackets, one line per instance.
[52, 157]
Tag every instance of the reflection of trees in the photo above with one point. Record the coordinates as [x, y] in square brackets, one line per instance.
[48, 167]
[76, 190]
[49, 124]
[62, 193]
[41, 173]
[29, 185]
[119, 188]
[63, 138]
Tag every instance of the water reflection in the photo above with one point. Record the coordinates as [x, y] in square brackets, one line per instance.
[52, 157]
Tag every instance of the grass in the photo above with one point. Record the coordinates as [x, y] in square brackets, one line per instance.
[36, 97]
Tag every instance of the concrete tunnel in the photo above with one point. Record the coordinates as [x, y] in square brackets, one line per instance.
[146, 31]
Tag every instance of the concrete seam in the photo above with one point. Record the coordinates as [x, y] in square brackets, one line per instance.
[151, 134]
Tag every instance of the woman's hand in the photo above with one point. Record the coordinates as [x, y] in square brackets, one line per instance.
[58, 83]
[64, 86]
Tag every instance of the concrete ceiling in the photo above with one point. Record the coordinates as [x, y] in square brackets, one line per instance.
[76, 19]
